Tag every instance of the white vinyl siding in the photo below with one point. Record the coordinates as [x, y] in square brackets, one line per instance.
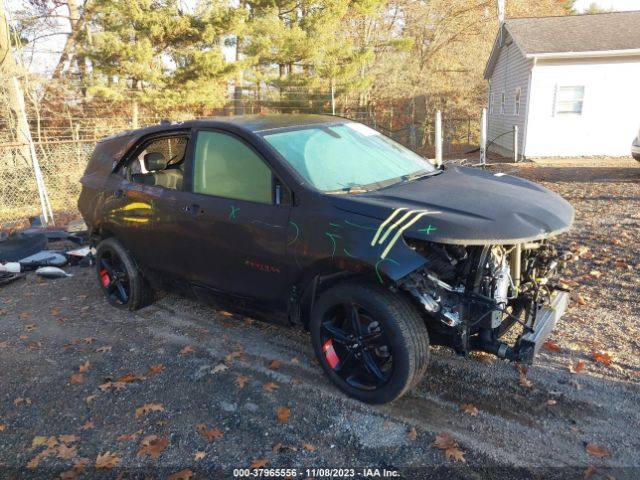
[491, 99]
[516, 104]
[502, 102]
[511, 73]
[605, 93]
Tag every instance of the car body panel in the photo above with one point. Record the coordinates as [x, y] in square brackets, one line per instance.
[635, 148]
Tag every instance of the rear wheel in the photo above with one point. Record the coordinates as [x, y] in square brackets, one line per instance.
[371, 343]
[119, 277]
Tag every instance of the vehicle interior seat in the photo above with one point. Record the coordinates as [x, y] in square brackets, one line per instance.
[159, 175]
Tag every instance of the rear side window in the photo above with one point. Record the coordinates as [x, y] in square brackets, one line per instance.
[226, 167]
[160, 162]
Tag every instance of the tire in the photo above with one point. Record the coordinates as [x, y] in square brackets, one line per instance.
[126, 277]
[396, 325]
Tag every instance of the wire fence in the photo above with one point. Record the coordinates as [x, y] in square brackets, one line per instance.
[63, 155]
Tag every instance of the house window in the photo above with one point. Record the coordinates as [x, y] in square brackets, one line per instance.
[502, 99]
[516, 106]
[491, 103]
[569, 100]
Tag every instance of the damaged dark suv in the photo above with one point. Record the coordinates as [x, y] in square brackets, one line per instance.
[328, 225]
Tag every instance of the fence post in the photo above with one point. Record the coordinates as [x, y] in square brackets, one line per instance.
[438, 138]
[515, 144]
[483, 137]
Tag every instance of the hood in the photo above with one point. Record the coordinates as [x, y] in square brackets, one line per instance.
[466, 206]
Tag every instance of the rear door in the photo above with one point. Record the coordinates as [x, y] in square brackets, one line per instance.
[146, 209]
[240, 213]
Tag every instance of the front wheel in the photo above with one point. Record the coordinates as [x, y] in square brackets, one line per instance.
[119, 277]
[371, 342]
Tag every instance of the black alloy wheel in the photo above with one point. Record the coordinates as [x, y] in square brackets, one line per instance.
[119, 277]
[356, 346]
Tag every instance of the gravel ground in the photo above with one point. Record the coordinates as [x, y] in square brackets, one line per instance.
[181, 389]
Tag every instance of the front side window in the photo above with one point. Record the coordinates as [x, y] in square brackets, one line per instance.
[160, 162]
[226, 167]
[339, 157]
[569, 100]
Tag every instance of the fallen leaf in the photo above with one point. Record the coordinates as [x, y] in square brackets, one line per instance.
[89, 340]
[412, 434]
[105, 349]
[153, 446]
[88, 425]
[455, 454]
[577, 367]
[4, 344]
[129, 377]
[68, 438]
[112, 386]
[90, 398]
[281, 447]
[309, 447]
[597, 450]
[470, 409]
[552, 346]
[54, 312]
[107, 460]
[551, 402]
[68, 475]
[76, 378]
[275, 364]
[525, 382]
[67, 453]
[148, 408]
[185, 474]
[33, 344]
[521, 368]
[621, 263]
[38, 440]
[187, 350]
[233, 355]
[595, 274]
[283, 414]
[241, 380]
[21, 400]
[85, 367]
[443, 441]
[258, 463]
[156, 369]
[80, 464]
[602, 357]
[210, 434]
[589, 472]
[3, 427]
[221, 367]
[24, 316]
[270, 387]
[199, 455]
[127, 437]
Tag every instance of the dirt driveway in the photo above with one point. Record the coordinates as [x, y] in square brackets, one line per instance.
[178, 390]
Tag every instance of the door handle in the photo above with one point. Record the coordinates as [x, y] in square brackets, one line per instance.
[193, 209]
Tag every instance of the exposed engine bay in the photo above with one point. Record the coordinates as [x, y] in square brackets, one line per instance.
[473, 295]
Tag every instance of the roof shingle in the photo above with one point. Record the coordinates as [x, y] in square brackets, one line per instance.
[576, 33]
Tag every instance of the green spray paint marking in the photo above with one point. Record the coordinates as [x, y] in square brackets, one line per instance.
[295, 225]
[359, 226]
[334, 225]
[333, 237]
[428, 229]
[377, 267]
[346, 252]
[234, 211]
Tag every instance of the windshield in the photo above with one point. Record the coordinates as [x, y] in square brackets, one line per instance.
[342, 157]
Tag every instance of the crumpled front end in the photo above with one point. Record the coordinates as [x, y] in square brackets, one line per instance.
[501, 299]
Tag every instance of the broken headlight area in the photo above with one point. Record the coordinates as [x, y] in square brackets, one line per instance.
[472, 296]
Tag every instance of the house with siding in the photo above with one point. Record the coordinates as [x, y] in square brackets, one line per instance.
[570, 84]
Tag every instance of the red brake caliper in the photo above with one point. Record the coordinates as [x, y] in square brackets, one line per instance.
[104, 278]
[330, 353]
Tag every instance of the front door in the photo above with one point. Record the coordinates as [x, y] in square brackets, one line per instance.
[237, 244]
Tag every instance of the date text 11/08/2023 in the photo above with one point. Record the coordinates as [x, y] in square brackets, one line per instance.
[315, 473]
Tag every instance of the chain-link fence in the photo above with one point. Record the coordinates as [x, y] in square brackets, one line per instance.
[63, 161]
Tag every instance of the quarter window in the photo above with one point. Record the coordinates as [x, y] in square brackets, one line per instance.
[569, 100]
[226, 167]
[159, 163]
